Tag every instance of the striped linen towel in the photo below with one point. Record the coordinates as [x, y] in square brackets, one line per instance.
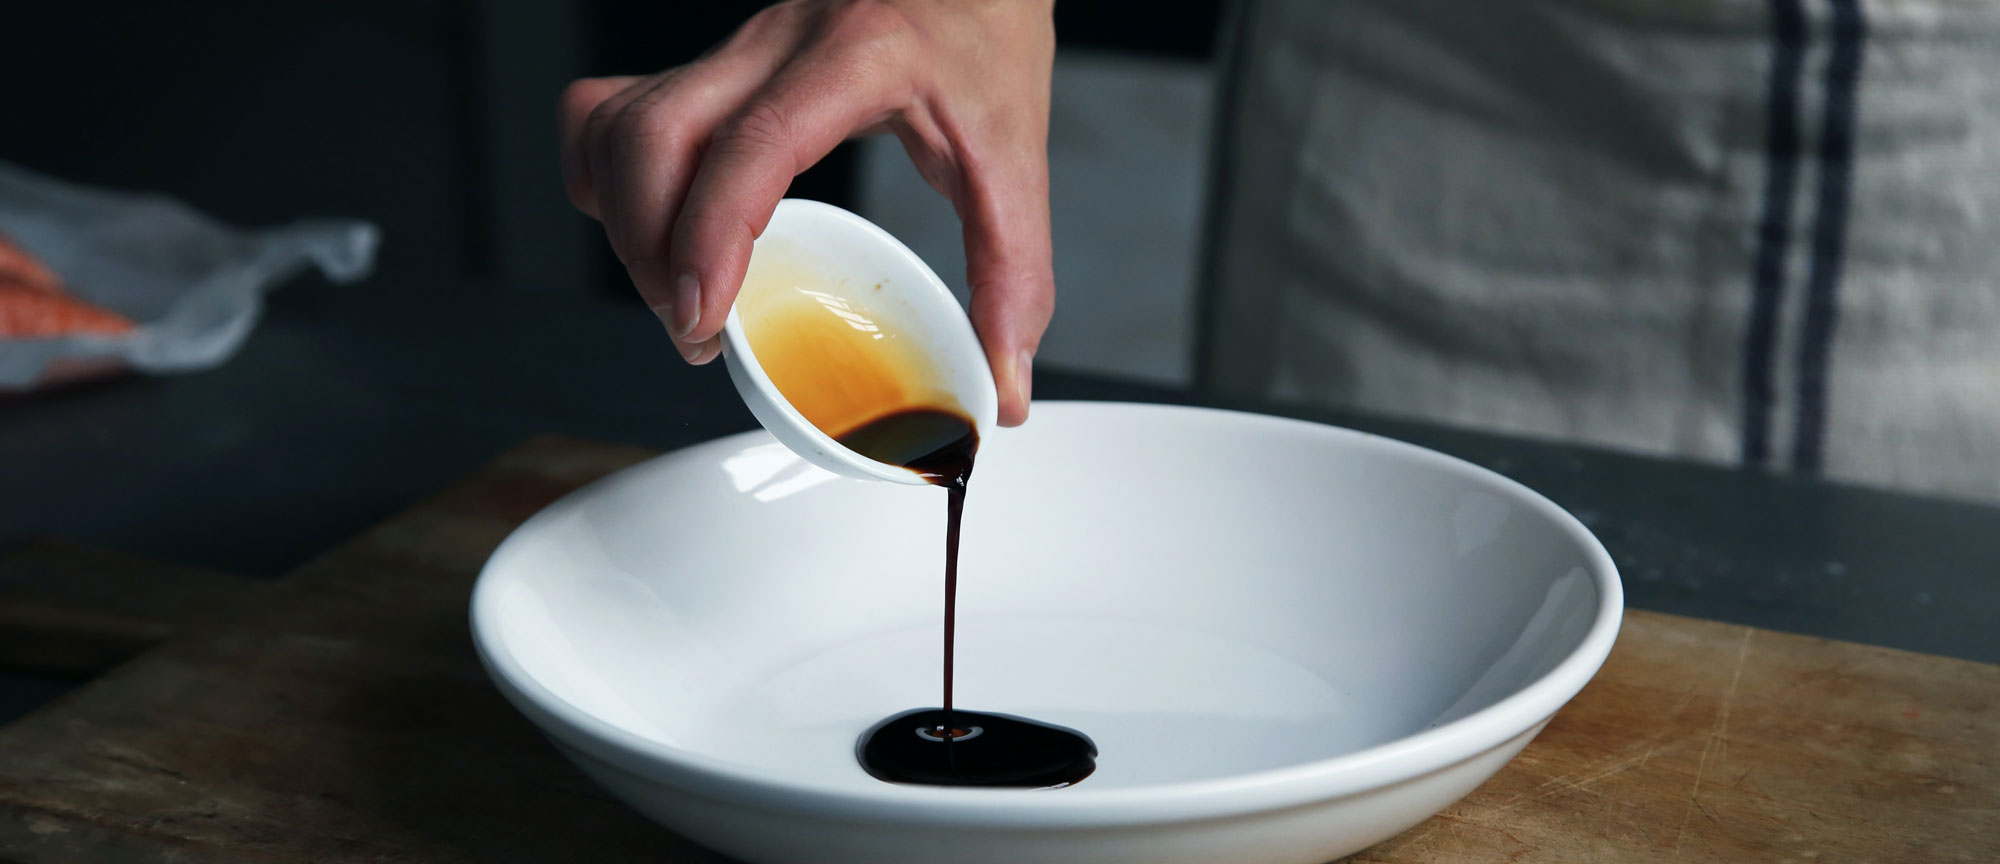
[1755, 232]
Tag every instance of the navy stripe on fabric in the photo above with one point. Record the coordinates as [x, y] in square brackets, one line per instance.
[1829, 236]
[1781, 171]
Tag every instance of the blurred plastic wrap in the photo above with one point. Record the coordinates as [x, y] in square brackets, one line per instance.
[192, 286]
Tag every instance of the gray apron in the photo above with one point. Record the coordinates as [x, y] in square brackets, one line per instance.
[1756, 232]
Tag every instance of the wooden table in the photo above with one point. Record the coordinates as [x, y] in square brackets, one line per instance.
[340, 715]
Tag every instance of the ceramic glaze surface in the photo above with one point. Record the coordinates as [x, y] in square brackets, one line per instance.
[838, 324]
[1246, 614]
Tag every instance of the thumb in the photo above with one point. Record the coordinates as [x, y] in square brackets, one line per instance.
[1004, 207]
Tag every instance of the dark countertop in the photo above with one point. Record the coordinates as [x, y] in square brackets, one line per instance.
[346, 404]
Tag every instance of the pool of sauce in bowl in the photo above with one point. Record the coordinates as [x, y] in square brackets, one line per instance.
[946, 746]
[838, 353]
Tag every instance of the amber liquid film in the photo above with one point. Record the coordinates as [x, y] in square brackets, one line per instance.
[838, 361]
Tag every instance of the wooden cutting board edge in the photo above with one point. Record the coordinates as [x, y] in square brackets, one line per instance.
[1684, 746]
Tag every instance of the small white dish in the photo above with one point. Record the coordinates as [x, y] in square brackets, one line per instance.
[1289, 641]
[865, 282]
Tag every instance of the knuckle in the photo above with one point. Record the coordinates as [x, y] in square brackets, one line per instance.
[643, 127]
[599, 120]
[576, 96]
[759, 126]
[711, 228]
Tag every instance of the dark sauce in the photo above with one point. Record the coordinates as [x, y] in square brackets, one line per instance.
[987, 750]
[940, 746]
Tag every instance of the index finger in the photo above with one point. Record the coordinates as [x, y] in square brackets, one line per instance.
[799, 117]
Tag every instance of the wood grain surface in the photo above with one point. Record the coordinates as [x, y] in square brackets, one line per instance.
[66, 608]
[341, 716]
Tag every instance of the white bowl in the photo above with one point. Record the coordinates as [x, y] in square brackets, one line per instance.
[1289, 641]
[875, 284]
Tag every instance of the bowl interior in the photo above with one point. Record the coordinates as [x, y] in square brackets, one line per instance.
[820, 269]
[1205, 594]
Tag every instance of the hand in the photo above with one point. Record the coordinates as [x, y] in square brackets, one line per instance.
[684, 168]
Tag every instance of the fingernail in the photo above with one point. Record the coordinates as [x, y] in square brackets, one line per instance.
[1024, 377]
[687, 303]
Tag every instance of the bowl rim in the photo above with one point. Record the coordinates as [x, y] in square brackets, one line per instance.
[1403, 759]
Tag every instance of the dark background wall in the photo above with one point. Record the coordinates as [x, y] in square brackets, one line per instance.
[256, 113]
[432, 118]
